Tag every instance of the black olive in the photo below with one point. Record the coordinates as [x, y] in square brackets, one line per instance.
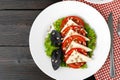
[56, 58]
[56, 38]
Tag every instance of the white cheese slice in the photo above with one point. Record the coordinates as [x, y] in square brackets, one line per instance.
[77, 45]
[71, 32]
[77, 57]
[70, 22]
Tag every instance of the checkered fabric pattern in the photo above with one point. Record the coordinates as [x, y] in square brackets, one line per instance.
[105, 9]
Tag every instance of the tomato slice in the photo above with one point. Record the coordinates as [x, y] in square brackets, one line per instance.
[76, 19]
[77, 29]
[75, 38]
[78, 64]
[66, 56]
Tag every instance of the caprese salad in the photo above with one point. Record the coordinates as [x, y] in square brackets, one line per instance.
[70, 42]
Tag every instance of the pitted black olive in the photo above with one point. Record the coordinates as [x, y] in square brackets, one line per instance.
[56, 38]
[56, 58]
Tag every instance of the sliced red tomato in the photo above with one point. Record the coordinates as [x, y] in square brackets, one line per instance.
[77, 29]
[78, 64]
[75, 38]
[76, 19]
[76, 49]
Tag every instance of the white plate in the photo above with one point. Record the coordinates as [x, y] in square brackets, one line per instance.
[99, 1]
[62, 9]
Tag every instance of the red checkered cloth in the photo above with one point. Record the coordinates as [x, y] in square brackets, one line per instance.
[105, 9]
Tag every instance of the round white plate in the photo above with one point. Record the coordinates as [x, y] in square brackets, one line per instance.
[99, 1]
[51, 14]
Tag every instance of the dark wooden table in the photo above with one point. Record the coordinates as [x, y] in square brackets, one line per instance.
[16, 18]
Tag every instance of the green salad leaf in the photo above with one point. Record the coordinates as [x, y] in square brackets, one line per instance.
[63, 64]
[84, 66]
[48, 46]
[92, 36]
[57, 24]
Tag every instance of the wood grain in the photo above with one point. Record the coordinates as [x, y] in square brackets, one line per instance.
[15, 53]
[16, 63]
[15, 27]
[25, 4]
[24, 70]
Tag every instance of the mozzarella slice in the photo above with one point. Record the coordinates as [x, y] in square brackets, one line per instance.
[77, 45]
[77, 57]
[70, 22]
[71, 32]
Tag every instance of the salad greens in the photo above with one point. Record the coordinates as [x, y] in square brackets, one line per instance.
[49, 48]
[92, 36]
[63, 64]
[84, 66]
[57, 24]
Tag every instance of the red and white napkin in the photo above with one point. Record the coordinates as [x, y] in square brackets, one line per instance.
[105, 9]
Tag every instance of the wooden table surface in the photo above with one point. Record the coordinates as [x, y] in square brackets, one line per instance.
[16, 18]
